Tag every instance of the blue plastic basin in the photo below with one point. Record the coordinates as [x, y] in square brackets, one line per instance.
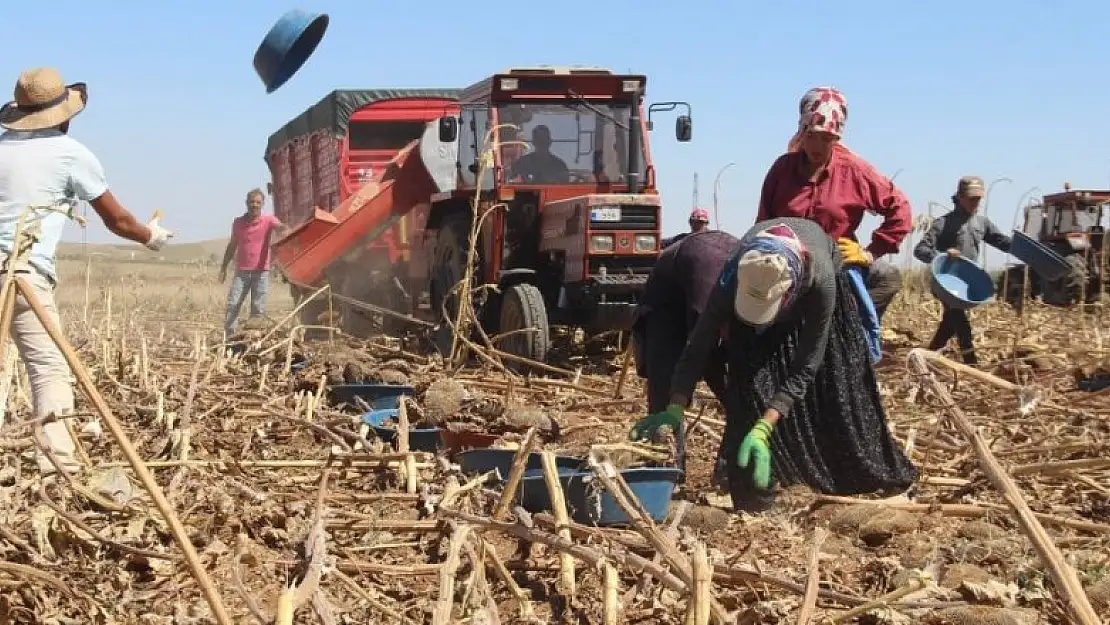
[291, 40]
[590, 503]
[533, 488]
[1040, 258]
[960, 283]
[475, 461]
[420, 439]
[378, 396]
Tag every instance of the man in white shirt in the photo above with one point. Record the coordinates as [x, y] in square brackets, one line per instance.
[41, 165]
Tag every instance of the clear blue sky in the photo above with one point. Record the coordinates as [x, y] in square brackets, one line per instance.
[936, 90]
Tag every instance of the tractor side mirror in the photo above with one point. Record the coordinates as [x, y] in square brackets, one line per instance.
[683, 128]
[448, 129]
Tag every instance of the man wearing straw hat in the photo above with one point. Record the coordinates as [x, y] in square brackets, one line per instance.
[42, 166]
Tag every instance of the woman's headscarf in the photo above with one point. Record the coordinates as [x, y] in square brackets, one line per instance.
[778, 259]
[824, 109]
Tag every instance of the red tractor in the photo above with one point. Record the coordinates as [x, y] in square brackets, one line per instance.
[575, 222]
[1069, 223]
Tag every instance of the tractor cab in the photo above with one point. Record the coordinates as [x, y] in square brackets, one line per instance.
[560, 161]
[1073, 219]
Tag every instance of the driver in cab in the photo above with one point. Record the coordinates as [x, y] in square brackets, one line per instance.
[540, 166]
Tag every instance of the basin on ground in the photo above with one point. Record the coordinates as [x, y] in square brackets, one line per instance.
[383, 423]
[590, 503]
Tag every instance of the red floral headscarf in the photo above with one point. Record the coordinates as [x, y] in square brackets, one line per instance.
[824, 109]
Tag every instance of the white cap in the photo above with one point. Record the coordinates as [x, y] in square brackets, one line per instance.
[762, 279]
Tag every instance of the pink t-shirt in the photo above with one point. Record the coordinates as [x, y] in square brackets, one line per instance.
[252, 241]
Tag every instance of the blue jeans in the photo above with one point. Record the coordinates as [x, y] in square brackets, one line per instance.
[258, 283]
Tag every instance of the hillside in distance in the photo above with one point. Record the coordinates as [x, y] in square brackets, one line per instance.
[207, 251]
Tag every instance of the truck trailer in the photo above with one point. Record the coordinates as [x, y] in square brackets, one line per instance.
[566, 178]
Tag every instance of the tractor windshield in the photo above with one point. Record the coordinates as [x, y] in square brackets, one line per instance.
[1069, 217]
[565, 142]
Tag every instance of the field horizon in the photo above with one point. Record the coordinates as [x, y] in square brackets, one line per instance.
[205, 251]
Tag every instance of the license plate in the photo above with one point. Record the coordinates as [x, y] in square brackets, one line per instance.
[607, 213]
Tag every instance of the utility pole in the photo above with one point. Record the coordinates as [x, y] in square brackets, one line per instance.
[695, 204]
[716, 189]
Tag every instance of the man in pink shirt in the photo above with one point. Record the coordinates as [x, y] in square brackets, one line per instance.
[251, 235]
[822, 180]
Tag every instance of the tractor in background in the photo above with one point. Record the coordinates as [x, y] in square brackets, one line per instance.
[1069, 223]
[567, 181]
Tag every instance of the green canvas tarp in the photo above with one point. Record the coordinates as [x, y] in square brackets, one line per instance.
[333, 112]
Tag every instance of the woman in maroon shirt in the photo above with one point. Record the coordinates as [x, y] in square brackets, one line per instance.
[822, 180]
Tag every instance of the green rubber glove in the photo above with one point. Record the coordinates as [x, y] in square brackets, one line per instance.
[756, 447]
[646, 428]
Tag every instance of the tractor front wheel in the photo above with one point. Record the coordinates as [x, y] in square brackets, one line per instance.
[448, 267]
[524, 314]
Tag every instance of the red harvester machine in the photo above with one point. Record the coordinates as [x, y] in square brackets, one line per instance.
[327, 166]
[378, 186]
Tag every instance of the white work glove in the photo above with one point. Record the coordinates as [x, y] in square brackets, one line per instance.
[159, 236]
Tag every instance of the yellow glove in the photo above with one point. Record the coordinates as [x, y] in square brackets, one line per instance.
[852, 253]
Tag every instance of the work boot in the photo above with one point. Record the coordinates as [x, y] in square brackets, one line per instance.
[69, 464]
[63, 447]
[969, 356]
[752, 506]
[719, 480]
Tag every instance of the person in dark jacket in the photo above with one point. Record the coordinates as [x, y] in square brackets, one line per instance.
[960, 232]
[674, 297]
[800, 381]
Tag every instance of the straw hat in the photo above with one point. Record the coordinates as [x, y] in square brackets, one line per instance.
[43, 100]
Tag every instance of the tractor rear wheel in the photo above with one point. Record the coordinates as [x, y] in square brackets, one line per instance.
[523, 312]
[1067, 290]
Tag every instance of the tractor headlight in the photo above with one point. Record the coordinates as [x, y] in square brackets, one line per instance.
[601, 243]
[645, 242]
